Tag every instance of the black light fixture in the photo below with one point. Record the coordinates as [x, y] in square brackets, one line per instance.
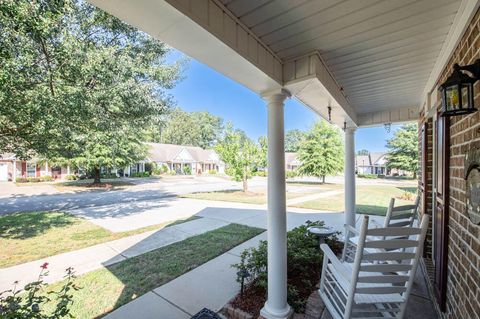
[457, 91]
[330, 114]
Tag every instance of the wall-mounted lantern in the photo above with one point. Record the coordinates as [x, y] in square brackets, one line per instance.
[457, 91]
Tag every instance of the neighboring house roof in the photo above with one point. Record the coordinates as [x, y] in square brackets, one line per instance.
[291, 158]
[159, 152]
[372, 159]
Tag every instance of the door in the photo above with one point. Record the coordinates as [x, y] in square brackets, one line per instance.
[441, 203]
[3, 172]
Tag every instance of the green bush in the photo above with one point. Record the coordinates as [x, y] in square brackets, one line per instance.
[46, 178]
[140, 174]
[369, 176]
[212, 172]
[172, 172]
[71, 177]
[33, 179]
[291, 174]
[30, 303]
[261, 173]
[108, 175]
[187, 170]
[21, 180]
[304, 262]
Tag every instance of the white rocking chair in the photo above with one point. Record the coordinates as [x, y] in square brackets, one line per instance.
[375, 285]
[400, 216]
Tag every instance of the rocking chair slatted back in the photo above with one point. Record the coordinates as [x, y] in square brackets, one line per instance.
[363, 289]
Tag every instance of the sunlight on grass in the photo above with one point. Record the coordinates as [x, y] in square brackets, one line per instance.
[30, 236]
[236, 196]
[122, 282]
[371, 199]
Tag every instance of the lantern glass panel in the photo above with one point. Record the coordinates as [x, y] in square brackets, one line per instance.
[466, 94]
[452, 100]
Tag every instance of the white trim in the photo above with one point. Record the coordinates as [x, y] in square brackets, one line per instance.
[460, 24]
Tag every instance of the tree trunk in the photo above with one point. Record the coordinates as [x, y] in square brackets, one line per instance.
[245, 185]
[323, 179]
[96, 175]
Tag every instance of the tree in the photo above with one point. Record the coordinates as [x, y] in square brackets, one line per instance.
[78, 83]
[293, 138]
[321, 152]
[363, 152]
[403, 149]
[240, 154]
[196, 129]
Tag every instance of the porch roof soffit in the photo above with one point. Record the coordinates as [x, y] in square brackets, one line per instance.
[369, 61]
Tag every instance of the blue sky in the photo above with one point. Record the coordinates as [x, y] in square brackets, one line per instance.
[204, 89]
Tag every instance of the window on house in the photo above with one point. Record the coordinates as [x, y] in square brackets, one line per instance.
[31, 170]
[134, 169]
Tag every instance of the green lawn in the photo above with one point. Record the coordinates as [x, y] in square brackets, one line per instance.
[371, 199]
[122, 282]
[259, 197]
[30, 236]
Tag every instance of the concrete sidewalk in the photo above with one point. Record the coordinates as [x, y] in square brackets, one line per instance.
[210, 285]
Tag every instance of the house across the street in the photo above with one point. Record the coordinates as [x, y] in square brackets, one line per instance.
[373, 163]
[178, 158]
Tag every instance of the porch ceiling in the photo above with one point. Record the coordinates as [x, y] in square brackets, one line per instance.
[381, 53]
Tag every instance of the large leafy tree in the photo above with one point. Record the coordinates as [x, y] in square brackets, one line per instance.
[196, 129]
[293, 138]
[78, 83]
[403, 149]
[241, 155]
[321, 152]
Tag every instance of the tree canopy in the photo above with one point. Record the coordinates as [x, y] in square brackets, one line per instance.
[293, 138]
[241, 155]
[321, 152]
[77, 83]
[403, 149]
[363, 152]
[195, 129]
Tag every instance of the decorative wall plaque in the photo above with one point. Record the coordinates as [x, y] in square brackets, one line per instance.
[472, 176]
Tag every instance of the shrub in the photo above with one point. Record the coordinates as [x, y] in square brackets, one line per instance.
[212, 172]
[291, 174]
[172, 172]
[71, 177]
[187, 170]
[369, 176]
[21, 180]
[140, 174]
[30, 303]
[407, 196]
[46, 178]
[304, 262]
[261, 173]
[33, 179]
[108, 175]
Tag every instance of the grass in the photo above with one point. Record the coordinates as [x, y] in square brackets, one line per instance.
[371, 199]
[86, 184]
[236, 196]
[120, 283]
[30, 236]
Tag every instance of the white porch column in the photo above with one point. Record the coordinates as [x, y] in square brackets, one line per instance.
[276, 306]
[68, 169]
[46, 168]
[350, 176]
[14, 177]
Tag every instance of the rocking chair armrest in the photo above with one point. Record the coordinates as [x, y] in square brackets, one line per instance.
[351, 229]
[336, 263]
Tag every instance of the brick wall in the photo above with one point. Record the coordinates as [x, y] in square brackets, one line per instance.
[463, 288]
